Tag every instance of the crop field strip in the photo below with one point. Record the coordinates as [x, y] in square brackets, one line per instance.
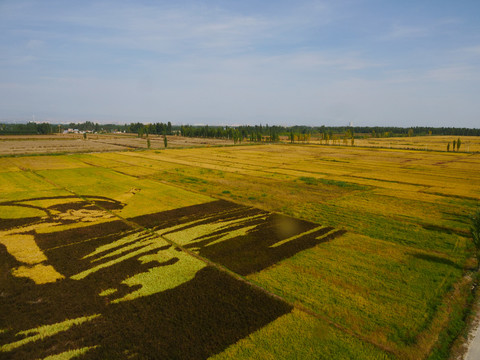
[279, 168]
[133, 224]
[264, 278]
[384, 183]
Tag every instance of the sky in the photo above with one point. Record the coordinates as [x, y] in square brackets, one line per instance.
[221, 62]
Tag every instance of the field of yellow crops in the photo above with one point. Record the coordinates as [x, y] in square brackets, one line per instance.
[270, 251]
[437, 143]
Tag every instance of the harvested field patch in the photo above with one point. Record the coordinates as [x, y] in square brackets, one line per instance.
[75, 143]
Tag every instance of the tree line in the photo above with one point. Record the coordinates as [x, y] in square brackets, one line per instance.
[327, 133]
[45, 128]
[238, 133]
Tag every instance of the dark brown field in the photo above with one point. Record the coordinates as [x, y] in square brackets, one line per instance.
[194, 320]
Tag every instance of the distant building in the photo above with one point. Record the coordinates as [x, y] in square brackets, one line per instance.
[71, 131]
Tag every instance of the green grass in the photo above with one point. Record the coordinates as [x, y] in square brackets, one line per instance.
[192, 180]
[299, 336]
[315, 181]
[140, 196]
[389, 294]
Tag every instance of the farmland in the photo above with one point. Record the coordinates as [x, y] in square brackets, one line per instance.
[261, 251]
[68, 143]
[13, 145]
[438, 143]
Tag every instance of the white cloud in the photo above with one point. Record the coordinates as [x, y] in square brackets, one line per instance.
[34, 44]
[427, 28]
[311, 62]
[469, 52]
[402, 32]
[454, 73]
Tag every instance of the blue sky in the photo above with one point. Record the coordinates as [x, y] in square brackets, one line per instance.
[373, 63]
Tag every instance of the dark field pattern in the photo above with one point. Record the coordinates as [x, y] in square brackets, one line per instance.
[192, 321]
[106, 305]
[246, 253]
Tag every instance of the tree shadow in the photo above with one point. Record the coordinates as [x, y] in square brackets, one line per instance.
[436, 259]
[445, 229]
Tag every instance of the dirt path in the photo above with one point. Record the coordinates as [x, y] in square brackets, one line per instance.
[473, 352]
[473, 342]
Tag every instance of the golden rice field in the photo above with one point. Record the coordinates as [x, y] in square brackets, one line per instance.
[246, 252]
[437, 143]
[14, 145]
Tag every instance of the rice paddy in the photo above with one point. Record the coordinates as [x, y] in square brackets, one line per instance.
[268, 251]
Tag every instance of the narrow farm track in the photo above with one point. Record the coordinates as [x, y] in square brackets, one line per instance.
[225, 270]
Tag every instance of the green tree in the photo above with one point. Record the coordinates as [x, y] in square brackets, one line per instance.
[448, 146]
[275, 137]
[348, 135]
[459, 142]
[165, 141]
[84, 136]
[454, 144]
[148, 143]
[475, 232]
